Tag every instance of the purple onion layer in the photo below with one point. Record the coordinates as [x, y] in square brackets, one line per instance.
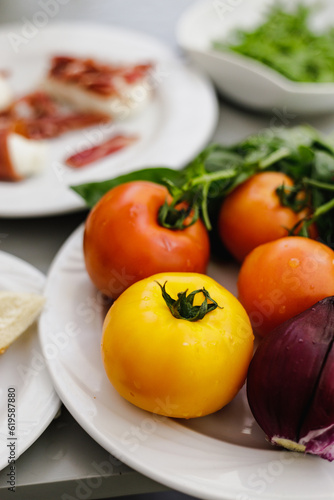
[290, 383]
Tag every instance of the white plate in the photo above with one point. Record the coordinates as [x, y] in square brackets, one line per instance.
[23, 367]
[174, 127]
[241, 78]
[222, 456]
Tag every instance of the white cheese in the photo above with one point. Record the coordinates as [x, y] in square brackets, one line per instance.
[28, 157]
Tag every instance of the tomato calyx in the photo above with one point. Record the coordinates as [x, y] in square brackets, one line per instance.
[172, 217]
[289, 198]
[294, 197]
[297, 198]
[183, 307]
[182, 211]
[194, 192]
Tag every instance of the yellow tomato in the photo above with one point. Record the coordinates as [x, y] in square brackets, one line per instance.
[172, 366]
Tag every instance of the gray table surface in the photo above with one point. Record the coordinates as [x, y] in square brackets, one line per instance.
[61, 464]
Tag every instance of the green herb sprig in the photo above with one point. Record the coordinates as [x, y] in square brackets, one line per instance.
[300, 152]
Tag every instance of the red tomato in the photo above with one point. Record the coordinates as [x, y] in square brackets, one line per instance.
[282, 278]
[124, 243]
[252, 214]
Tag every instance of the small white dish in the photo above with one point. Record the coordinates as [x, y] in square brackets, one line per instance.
[23, 369]
[222, 456]
[242, 79]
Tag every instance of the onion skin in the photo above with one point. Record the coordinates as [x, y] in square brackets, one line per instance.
[321, 414]
[290, 383]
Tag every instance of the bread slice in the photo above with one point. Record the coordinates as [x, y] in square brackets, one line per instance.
[17, 312]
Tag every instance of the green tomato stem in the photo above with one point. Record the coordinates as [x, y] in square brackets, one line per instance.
[274, 158]
[213, 176]
[318, 184]
[173, 218]
[323, 209]
[183, 307]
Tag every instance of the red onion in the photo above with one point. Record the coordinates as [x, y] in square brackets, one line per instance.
[290, 383]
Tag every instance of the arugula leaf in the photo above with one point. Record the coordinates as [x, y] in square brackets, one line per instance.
[323, 167]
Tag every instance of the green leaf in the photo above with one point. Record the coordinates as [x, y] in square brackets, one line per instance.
[92, 192]
[323, 169]
[300, 152]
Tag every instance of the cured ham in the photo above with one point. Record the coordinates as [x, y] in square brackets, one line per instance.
[53, 126]
[77, 93]
[118, 90]
[38, 116]
[90, 155]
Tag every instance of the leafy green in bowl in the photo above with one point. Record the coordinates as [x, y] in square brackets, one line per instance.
[286, 43]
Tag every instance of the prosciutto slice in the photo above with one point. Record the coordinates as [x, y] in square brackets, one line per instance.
[90, 155]
[47, 127]
[38, 116]
[88, 74]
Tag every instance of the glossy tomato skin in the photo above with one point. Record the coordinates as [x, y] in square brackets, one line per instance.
[280, 279]
[171, 366]
[124, 243]
[252, 214]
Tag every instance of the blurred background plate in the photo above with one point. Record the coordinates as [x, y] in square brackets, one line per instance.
[173, 128]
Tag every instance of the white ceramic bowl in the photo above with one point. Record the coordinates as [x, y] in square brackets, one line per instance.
[241, 78]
